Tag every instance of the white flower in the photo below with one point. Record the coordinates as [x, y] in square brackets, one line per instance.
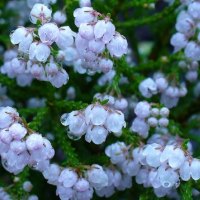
[52, 173]
[37, 71]
[174, 156]
[190, 169]
[155, 112]
[115, 122]
[172, 91]
[104, 30]
[152, 153]
[163, 122]
[117, 152]
[142, 109]
[24, 79]
[51, 69]
[65, 37]
[59, 79]
[118, 46]
[82, 185]
[86, 31]
[48, 33]
[164, 112]
[131, 167]
[195, 169]
[5, 136]
[97, 177]
[18, 66]
[71, 54]
[179, 41]
[81, 44]
[148, 87]
[96, 114]
[152, 121]
[68, 178]
[64, 193]
[21, 36]
[168, 101]
[106, 65]
[41, 13]
[4, 195]
[161, 83]
[96, 134]
[8, 115]
[121, 104]
[76, 122]
[141, 127]
[17, 131]
[96, 46]
[185, 23]
[34, 142]
[168, 177]
[125, 183]
[59, 17]
[39, 51]
[27, 186]
[84, 15]
[194, 9]
[192, 51]
[141, 176]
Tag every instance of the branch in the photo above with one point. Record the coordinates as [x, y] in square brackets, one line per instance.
[166, 13]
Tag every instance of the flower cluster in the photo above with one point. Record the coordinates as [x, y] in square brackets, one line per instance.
[94, 36]
[96, 121]
[69, 184]
[86, 51]
[35, 52]
[170, 94]
[20, 146]
[24, 147]
[117, 181]
[148, 116]
[76, 184]
[187, 35]
[160, 164]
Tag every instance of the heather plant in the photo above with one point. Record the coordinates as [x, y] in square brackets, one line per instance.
[99, 99]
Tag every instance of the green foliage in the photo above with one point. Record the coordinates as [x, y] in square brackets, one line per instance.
[186, 190]
[166, 13]
[148, 195]
[16, 190]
